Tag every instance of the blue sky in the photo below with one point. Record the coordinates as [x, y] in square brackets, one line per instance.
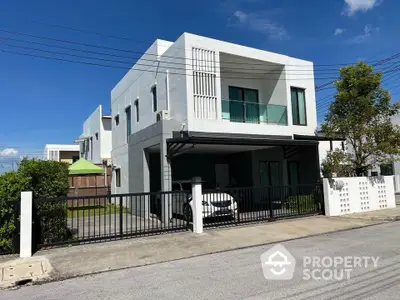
[46, 101]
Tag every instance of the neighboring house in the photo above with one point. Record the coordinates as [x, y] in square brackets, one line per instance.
[231, 114]
[328, 146]
[95, 141]
[61, 153]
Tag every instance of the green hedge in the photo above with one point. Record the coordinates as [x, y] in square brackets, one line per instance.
[307, 202]
[46, 179]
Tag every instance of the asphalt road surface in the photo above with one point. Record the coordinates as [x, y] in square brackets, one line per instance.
[238, 274]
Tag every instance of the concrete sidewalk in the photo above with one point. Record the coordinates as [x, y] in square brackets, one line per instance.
[384, 215]
[94, 258]
[81, 260]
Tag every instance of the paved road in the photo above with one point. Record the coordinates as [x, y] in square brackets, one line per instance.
[238, 275]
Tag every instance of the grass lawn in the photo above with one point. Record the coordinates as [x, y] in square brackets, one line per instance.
[85, 211]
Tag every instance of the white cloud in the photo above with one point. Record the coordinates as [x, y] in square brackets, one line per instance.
[339, 31]
[353, 6]
[368, 32]
[260, 22]
[9, 152]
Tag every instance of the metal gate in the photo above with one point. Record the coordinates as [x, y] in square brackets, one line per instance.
[77, 220]
[263, 203]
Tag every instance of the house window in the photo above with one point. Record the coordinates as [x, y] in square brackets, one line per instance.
[116, 120]
[293, 173]
[118, 177]
[154, 95]
[298, 106]
[128, 122]
[91, 148]
[97, 136]
[387, 170]
[270, 173]
[137, 109]
[243, 105]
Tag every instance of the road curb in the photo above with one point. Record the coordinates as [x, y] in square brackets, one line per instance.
[56, 276]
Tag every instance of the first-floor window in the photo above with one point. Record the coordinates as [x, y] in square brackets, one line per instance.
[117, 177]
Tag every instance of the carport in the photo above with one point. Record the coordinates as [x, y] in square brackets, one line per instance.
[228, 160]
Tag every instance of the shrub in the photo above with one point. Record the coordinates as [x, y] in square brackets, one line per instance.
[46, 179]
[306, 203]
[11, 185]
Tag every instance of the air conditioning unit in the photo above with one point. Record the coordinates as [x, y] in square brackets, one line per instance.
[162, 115]
[109, 162]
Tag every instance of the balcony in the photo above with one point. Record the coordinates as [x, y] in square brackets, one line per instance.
[252, 112]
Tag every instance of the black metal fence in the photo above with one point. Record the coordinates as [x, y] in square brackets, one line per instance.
[264, 203]
[76, 220]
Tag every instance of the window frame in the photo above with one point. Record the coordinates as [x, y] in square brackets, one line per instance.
[118, 177]
[297, 100]
[153, 92]
[116, 119]
[128, 127]
[243, 100]
[136, 104]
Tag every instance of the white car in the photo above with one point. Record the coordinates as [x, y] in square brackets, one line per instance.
[215, 204]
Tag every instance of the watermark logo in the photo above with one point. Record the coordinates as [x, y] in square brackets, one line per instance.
[278, 264]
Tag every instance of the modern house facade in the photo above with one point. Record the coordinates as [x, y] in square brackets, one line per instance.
[62, 153]
[95, 141]
[233, 115]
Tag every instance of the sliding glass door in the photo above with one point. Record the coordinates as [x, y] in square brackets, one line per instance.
[243, 105]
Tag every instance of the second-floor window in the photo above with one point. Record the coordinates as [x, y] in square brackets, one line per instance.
[298, 106]
[154, 96]
[137, 109]
[128, 122]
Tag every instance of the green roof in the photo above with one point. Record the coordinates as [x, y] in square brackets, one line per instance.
[84, 167]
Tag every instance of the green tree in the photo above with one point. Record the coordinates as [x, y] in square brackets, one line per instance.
[336, 162]
[361, 112]
[48, 179]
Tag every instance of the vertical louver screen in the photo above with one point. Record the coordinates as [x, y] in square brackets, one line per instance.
[204, 90]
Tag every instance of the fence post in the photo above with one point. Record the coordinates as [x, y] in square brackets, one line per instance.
[121, 212]
[197, 205]
[271, 209]
[26, 225]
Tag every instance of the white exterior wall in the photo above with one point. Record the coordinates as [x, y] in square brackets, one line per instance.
[136, 85]
[55, 148]
[106, 138]
[169, 66]
[292, 66]
[102, 145]
[358, 194]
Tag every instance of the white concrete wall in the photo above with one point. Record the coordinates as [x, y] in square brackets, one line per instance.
[91, 126]
[358, 194]
[101, 149]
[106, 138]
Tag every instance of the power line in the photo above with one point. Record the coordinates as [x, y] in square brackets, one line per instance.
[146, 65]
[143, 59]
[149, 54]
[127, 68]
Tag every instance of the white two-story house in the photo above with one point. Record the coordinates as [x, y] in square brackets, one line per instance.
[233, 115]
[95, 141]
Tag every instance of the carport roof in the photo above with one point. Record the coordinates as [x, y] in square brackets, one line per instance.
[191, 137]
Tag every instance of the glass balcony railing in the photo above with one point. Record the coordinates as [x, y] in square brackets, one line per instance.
[251, 112]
